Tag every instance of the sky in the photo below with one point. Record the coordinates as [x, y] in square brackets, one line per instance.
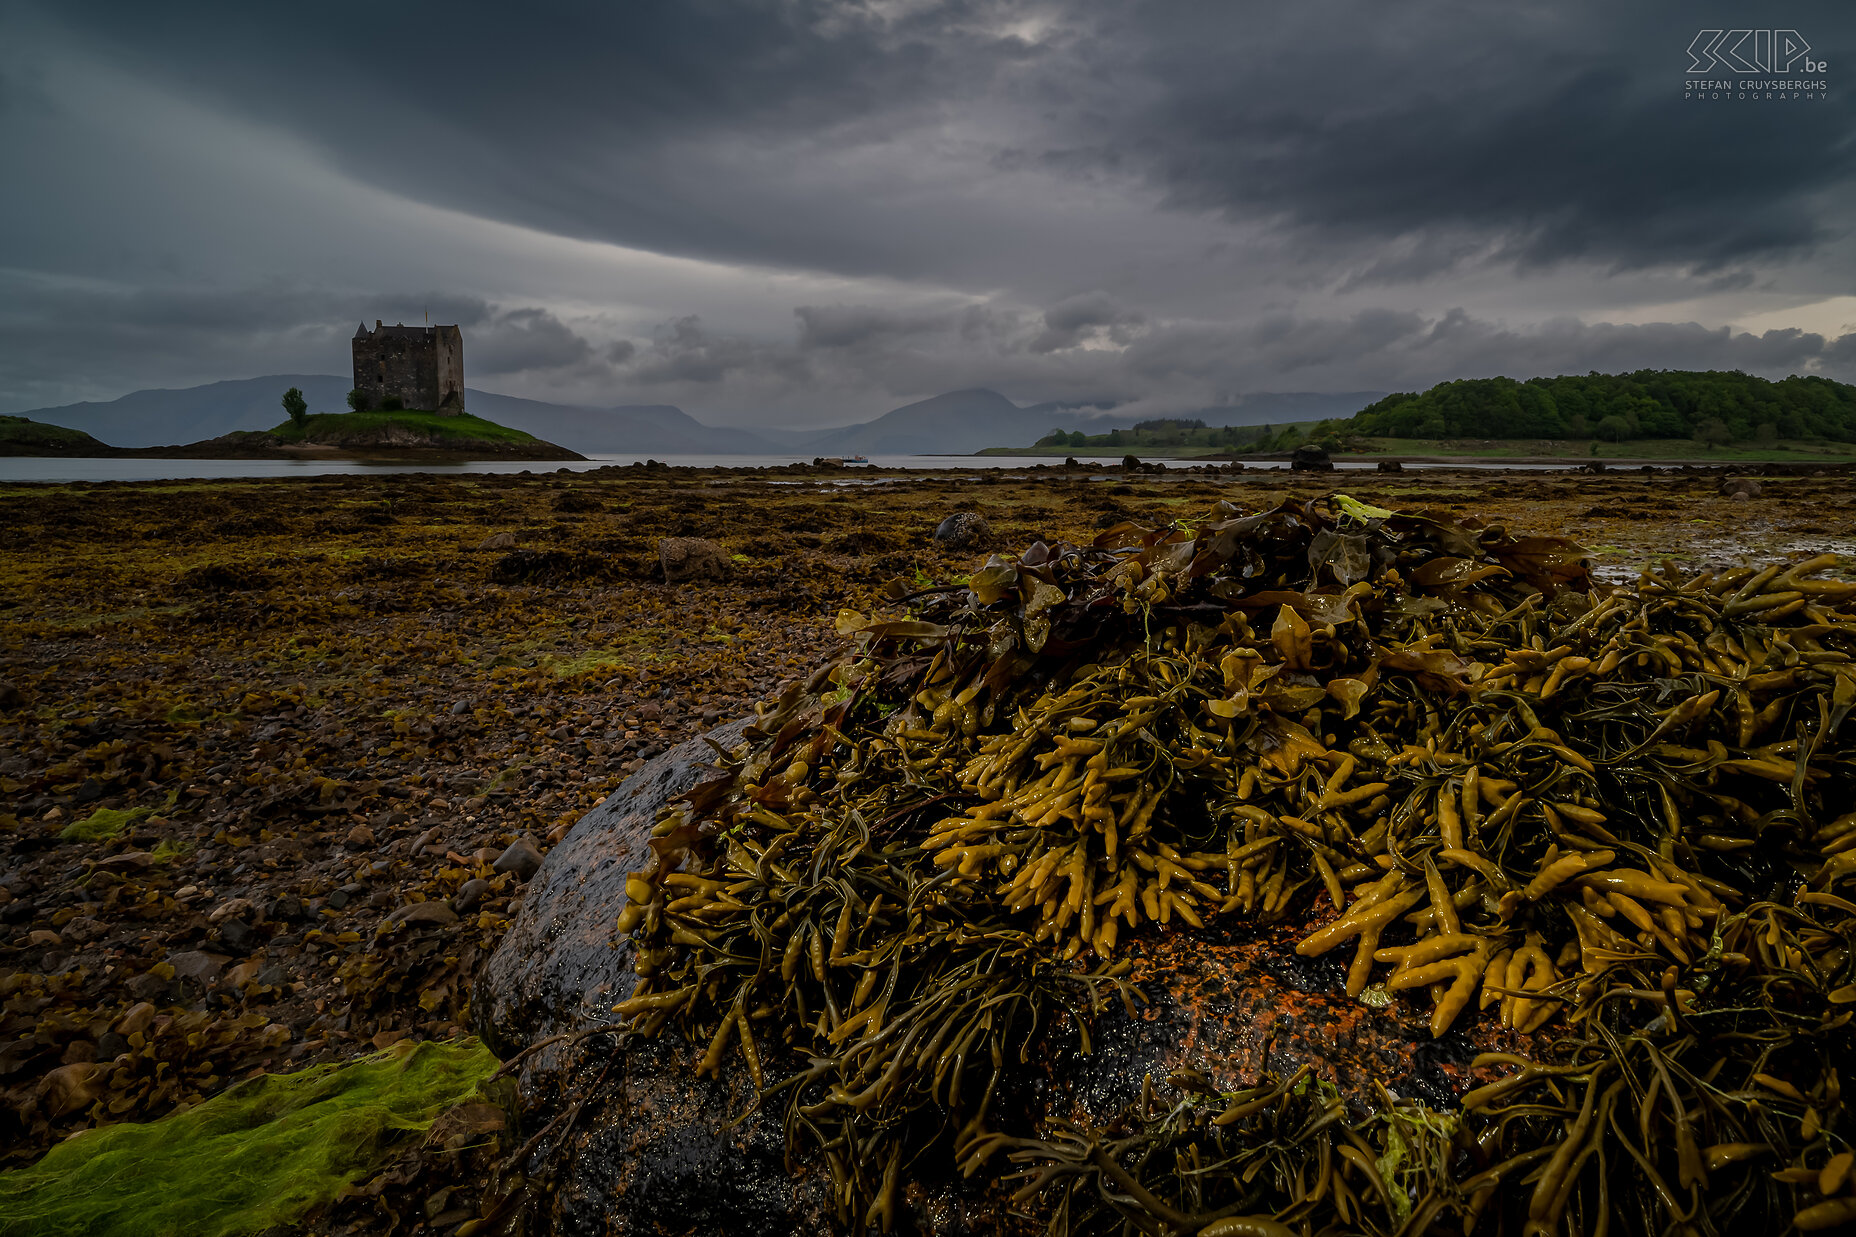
[806, 212]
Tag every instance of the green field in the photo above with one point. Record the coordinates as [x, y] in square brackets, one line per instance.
[333, 426]
[24, 434]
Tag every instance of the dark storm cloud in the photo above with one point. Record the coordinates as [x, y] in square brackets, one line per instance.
[1553, 132]
[1149, 200]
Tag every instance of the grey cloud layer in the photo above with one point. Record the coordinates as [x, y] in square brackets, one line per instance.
[1161, 201]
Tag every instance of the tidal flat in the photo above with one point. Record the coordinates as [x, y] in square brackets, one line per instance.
[277, 756]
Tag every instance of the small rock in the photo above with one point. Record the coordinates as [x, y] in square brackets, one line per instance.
[110, 1046]
[963, 530]
[149, 986]
[83, 929]
[689, 558]
[359, 838]
[338, 899]
[44, 936]
[273, 976]
[10, 696]
[1739, 496]
[521, 858]
[424, 840]
[650, 711]
[460, 708]
[69, 1088]
[138, 1017]
[197, 965]
[424, 912]
[1391, 466]
[236, 908]
[471, 895]
[127, 861]
[380, 899]
[236, 934]
[1740, 488]
[288, 909]
[476, 803]
[498, 541]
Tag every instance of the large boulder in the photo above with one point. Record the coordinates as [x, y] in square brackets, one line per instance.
[654, 1149]
[1735, 487]
[691, 558]
[1310, 459]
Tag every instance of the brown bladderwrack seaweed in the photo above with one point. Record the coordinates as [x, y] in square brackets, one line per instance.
[1617, 819]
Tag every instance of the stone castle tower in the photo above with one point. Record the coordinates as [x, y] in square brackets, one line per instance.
[420, 366]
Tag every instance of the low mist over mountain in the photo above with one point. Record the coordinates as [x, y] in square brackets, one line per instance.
[956, 423]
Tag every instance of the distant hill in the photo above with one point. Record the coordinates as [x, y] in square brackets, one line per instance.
[163, 418]
[955, 423]
[19, 436]
[660, 429]
[963, 422]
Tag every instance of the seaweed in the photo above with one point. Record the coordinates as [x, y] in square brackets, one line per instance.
[1606, 815]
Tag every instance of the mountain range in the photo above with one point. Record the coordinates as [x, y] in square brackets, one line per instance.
[954, 423]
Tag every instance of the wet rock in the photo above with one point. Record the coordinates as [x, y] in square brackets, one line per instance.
[149, 986]
[691, 558]
[520, 858]
[1310, 459]
[1740, 487]
[658, 1142]
[359, 838]
[963, 530]
[83, 930]
[1391, 466]
[197, 965]
[498, 541]
[471, 895]
[425, 912]
[237, 935]
[288, 909]
[138, 1017]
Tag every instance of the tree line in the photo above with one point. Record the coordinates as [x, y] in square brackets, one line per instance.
[1712, 406]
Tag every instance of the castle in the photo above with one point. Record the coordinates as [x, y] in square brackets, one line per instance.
[422, 367]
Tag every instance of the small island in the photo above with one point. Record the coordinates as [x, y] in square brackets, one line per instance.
[407, 405]
[398, 436]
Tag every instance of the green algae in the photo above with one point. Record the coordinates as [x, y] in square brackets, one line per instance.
[263, 1153]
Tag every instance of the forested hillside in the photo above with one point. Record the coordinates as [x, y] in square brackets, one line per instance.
[1718, 406]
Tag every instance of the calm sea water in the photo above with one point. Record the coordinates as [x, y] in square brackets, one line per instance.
[18, 468]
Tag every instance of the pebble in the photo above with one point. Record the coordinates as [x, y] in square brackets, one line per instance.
[359, 838]
[471, 895]
[520, 858]
[197, 965]
[424, 912]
